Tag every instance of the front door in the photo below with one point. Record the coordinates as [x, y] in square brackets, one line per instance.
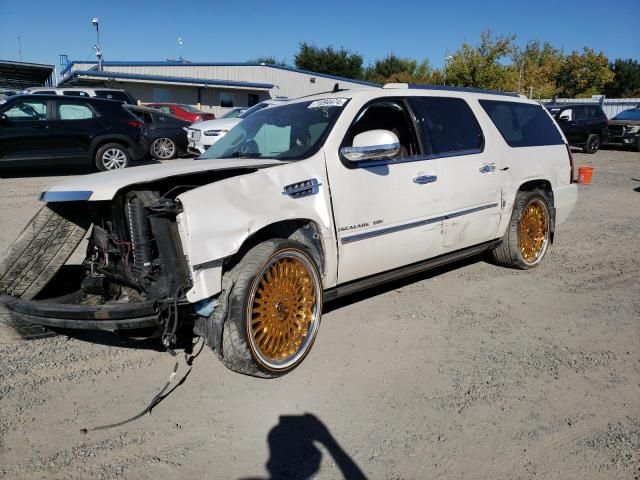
[24, 132]
[387, 212]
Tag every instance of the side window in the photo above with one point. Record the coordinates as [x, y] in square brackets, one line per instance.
[566, 115]
[112, 95]
[165, 109]
[252, 99]
[448, 125]
[74, 111]
[75, 93]
[522, 124]
[594, 112]
[580, 113]
[389, 115]
[44, 92]
[226, 99]
[27, 110]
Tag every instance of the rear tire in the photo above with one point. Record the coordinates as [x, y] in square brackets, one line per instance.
[274, 310]
[34, 258]
[528, 234]
[163, 149]
[593, 144]
[112, 156]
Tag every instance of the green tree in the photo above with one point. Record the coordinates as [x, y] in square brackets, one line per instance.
[402, 70]
[535, 69]
[583, 74]
[626, 79]
[481, 66]
[340, 62]
[268, 60]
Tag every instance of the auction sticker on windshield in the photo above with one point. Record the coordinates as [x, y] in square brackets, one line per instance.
[328, 102]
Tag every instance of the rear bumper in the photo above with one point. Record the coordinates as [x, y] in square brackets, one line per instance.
[564, 200]
[110, 317]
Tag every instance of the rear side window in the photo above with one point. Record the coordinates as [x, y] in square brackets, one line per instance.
[581, 113]
[74, 111]
[522, 124]
[448, 125]
[595, 112]
[75, 93]
[111, 95]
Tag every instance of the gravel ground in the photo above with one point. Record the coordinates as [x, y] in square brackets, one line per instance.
[472, 371]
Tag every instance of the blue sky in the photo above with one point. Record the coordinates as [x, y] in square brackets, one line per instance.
[220, 31]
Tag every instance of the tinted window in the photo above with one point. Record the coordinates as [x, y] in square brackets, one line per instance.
[75, 93]
[522, 124]
[447, 124]
[44, 92]
[252, 99]
[580, 113]
[27, 110]
[111, 95]
[594, 112]
[74, 111]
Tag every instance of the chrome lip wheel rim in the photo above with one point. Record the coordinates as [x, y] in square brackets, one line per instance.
[533, 232]
[114, 159]
[164, 148]
[283, 310]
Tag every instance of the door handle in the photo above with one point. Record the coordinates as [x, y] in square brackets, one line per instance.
[422, 179]
[487, 168]
[40, 126]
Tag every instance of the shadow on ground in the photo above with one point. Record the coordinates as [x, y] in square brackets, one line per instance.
[294, 453]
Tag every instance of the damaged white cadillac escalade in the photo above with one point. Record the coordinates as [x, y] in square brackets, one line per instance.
[298, 204]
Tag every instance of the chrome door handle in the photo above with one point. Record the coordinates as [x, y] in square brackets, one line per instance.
[488, 168]
[422, 179]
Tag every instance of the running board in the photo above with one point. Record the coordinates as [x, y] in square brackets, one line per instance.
[390, 275]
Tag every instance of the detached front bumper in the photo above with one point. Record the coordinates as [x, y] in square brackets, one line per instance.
[108, 317]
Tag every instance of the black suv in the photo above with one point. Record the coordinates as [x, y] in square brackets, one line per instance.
[52, 130]
[584, 124]
[624, 129]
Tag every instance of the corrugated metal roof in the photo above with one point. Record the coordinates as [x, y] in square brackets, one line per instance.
[161, 78]
[221, 64]
[21, 75]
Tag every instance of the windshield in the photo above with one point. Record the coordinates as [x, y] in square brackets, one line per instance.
[633, 114]
[232, 113]
[288, 132]
[189, 108]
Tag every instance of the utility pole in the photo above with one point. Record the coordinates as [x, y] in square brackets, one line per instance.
[179, 48]
[19, 48]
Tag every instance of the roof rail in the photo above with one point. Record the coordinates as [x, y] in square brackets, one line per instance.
[449, 88]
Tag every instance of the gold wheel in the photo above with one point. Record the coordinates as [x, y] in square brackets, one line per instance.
[283, 311]
[533, 231]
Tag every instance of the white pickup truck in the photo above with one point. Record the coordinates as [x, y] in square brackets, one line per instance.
[300, 203]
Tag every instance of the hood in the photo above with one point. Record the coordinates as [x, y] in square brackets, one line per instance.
[218, 124]
[104, 185]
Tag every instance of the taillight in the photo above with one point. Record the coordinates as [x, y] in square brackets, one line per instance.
[134, 123]
[571, 180]
[198, 118]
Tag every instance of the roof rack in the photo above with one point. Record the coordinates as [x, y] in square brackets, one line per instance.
[449, 88]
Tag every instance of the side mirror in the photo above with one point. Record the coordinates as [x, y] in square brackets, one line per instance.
[564, 118]
[4, 120]
[372, 145]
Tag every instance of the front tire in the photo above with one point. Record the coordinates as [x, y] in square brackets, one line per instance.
[163, 149]
[528, 234]
[112, 156]
[274, 310]
[593, 143]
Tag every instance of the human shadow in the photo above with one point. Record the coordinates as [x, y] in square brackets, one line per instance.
[294, 452]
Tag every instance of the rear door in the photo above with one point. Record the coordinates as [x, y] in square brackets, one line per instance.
[468, 170]
[24, 132]
[74, 124]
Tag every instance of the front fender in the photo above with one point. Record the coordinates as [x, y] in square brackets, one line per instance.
[219, 217]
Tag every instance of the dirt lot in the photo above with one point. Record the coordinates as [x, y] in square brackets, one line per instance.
[474, 371]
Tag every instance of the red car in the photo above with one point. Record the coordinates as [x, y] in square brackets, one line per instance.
[185, 112]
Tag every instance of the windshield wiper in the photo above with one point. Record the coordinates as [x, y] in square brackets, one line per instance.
[245, 155]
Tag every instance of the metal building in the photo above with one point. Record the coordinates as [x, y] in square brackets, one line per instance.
[214, 87]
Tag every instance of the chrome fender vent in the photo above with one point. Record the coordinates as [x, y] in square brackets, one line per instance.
[302, 189]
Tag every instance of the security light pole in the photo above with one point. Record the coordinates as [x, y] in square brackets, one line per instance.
[97, 47]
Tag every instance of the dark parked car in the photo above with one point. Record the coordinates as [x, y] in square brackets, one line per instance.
[584, 124]
[624, 129]
[185, 112]
[164, 133]
[53, 130]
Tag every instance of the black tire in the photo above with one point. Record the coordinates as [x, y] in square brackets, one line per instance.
[637, 144]
[593, 143]
[112, 156]
[35, 257]
[239, 350]
[163, 149]
[509, 253]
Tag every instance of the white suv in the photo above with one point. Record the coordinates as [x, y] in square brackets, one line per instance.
[298, 204]
[202, 135]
